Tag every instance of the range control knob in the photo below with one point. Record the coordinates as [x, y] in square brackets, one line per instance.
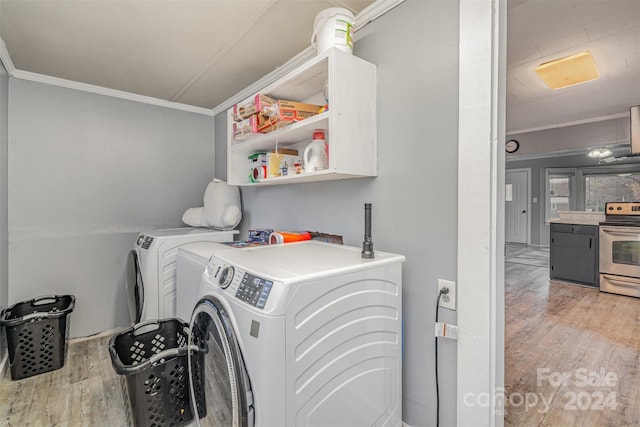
[226, 276]
[619, 208]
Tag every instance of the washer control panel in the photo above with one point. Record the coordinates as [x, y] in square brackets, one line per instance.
[144, 241]
[226, 277]
[254, 290]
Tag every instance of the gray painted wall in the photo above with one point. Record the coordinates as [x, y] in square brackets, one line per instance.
[570, 138]
[540, 230]
[539, 147]
[4, 145]
[415, 47]
[221, 148]
[86, 173]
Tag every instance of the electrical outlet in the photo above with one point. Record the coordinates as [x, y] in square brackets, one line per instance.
[447, 300]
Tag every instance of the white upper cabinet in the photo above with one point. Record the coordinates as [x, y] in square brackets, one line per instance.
[349, 124]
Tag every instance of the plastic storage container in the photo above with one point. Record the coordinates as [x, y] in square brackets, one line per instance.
[36, 333]
[153, 358]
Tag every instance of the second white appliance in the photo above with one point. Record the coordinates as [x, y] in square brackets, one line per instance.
[150, 279]
[192, 260]
[298, 334]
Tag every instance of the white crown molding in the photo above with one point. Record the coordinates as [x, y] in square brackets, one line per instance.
[70, 84]
[617, 148]
[6, 59]
[369, 14]
[577, 122]
[254, 88]
[373, 12]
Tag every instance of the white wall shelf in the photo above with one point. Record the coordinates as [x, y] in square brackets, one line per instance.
[349, 125]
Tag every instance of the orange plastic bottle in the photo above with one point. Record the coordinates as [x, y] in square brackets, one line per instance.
[288, 236]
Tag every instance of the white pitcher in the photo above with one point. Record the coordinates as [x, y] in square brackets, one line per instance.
[315, 156]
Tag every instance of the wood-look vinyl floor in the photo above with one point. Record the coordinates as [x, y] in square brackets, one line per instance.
[84, 392]
[572, 353]
[551, 330]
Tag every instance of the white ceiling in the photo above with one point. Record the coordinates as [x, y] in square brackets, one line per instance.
[192, 52]
[542, 30]
[203, 52]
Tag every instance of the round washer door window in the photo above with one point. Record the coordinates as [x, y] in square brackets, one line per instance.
[134, 287]
[220, 387]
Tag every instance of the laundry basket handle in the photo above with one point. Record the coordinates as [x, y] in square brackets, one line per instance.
[7, 320]
[122, 369]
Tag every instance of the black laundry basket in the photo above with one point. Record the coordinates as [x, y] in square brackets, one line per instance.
[153, 357]
[36, 333]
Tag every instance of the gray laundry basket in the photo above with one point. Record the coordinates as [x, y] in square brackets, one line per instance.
[36, 333]
[152, 356]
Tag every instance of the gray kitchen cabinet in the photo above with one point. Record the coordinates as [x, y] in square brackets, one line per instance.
[574, 253]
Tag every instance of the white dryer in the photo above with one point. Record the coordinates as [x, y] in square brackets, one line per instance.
[150, 279]
[192, 260]
[299, 334]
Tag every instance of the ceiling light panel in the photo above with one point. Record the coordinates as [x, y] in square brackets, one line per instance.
[568, 71]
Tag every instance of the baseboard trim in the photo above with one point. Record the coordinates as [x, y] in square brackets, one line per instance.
[4, 363]
[4, 367]
[108, 332]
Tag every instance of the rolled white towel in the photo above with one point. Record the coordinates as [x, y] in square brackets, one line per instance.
[194, 217]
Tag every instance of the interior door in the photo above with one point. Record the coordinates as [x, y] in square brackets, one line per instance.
[220, 387]
[516, 213]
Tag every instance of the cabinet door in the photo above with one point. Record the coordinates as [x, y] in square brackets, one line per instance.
[573, 257]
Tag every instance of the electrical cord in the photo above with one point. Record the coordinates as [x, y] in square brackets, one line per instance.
[443, 291]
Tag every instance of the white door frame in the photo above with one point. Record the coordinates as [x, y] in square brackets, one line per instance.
[528, 171]
[481, 165]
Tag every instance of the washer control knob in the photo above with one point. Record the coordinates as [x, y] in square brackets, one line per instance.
[226, 276]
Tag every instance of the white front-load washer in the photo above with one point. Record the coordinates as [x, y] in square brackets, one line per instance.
[298, 334]
[150, 279]
[192, 260]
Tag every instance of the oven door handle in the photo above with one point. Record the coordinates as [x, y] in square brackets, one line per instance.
[621, 230]
[619, 280]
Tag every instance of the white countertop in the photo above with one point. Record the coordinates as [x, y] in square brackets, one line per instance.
[575, 221]
[579, 217]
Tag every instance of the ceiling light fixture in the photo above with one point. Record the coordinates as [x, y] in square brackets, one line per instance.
[568, 71]
[599, 153]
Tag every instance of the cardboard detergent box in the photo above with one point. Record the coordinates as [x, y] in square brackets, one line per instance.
[272, 165]
[246, 128]
[250, 106]
[292, 111]
[283, 113]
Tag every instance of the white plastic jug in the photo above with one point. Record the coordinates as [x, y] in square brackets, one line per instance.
[333, 27]
[315, 156]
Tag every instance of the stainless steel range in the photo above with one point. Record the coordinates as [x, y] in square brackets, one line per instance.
[620, 249]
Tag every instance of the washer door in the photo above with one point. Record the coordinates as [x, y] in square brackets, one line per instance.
[134, 287]
[220, 387]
